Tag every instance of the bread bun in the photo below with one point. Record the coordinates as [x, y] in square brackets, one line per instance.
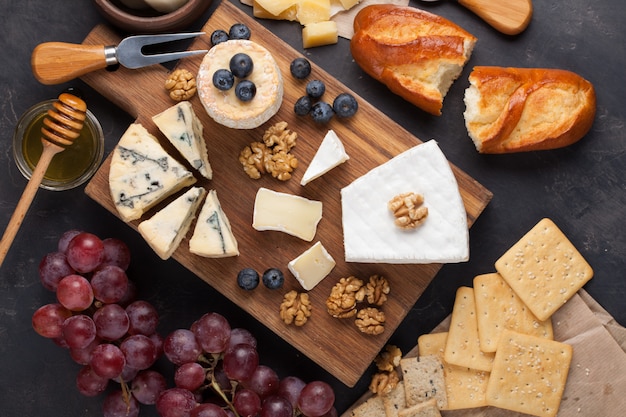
[527, 109]
[416, 54]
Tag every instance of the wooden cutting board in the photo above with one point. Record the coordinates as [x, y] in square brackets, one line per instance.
[370, 138]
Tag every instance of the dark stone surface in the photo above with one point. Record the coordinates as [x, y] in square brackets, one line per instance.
[581, 187]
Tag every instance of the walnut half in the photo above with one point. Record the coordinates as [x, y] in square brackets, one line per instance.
[295, 308]
[181, 84]
[344, 296]
[370, 320]
[272, 155]
[408, 210]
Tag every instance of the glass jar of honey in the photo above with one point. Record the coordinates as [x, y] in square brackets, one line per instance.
[69, 168]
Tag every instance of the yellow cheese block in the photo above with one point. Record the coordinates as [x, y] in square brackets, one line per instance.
[348, 4]
[289, 13]
[319, 34]
[312, 11]
[275, 7]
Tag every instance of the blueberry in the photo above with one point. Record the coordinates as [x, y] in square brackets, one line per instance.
[223, 79]
[345, 105]
[303, 106]
[245, 90]
[322, 112]
[218, 36]
[241, 65]
[315, 88]
[300, 68]
[273, 278]
[239, 31]
[248, 279]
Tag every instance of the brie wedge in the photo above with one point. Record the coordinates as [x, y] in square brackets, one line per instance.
[369, 233]
[142, 174]
[213, 236]
[183, 129]
[166, 229]
[312, 266]
[330, 154]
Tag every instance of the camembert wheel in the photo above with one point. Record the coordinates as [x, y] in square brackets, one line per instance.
[224, 106]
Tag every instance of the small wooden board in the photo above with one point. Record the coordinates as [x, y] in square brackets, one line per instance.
[370, 138]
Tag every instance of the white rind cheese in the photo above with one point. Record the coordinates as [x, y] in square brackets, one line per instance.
[291, 214]
[183, 129]
[312, 266]
[142, 174]
[330, 154]
[166, 229]
[370, 235]
[213, 236]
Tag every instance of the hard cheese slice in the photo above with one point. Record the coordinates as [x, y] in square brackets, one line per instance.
[369, 232]
[166, 229]
[184, 130]
[330, 154]
[142, 174]
[213, 236]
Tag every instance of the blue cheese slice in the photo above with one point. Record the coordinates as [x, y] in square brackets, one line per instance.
[330, 154]
[166, 229]
[183, 129]
[312, 266]
[142, 174]
[291, 214]
[369, 233]
[213, 236]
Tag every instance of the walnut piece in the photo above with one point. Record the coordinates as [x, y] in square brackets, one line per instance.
[377, 289]
[389, 359]
[295, 308]
[181, 84]
[370, 320]
[408, 210]
[344, 297]
[272, 155]
[384, 382]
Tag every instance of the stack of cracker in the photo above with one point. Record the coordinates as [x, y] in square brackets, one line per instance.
[499, 350]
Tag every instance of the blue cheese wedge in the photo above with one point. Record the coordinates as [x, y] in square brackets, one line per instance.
[288, 213]
[142, 174]
[369, 233]
[213, 236]
[330, 154]
[312, 266]
[166, 229]
[183, 129]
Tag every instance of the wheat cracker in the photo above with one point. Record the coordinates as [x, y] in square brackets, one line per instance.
[372, 407]
[395, 400]
[424, 409]
[423, 380]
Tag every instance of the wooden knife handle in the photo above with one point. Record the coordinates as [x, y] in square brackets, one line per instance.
[58, 62]
[507, 16]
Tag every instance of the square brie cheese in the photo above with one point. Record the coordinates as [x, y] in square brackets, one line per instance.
[312, 266]
[369, 232]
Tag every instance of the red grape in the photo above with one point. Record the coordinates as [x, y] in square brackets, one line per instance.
[74, 292]
[111, 322]
[107, 360]
[117, 404]
[127, 375]
[239, 335]
[79, 331]
[130, 295]
[316, 399]
[116, 252]
[208, 410]
[85, 252]
[181, 346]
[190, 375]
[264, 381]
[48, 320]
[109, 284]
[290, 388]
[175, 402]
[52, 268]
[147, 386]
[247, 403]
[82, 356]
[240, 361]
[276, 406]
[139, 351]
[65, 238]
[143, 317]
[89, 383]
[212, 331]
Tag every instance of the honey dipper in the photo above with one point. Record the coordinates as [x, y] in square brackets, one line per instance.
[62, 125]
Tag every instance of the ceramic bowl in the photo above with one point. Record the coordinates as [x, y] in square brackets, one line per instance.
[148, 20]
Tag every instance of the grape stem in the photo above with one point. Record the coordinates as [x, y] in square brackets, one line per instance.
[212, 362]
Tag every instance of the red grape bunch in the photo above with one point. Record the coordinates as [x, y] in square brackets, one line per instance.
[218, 375]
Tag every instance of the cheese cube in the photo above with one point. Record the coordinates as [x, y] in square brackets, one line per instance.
[276, 7]
[348, 4]
[288, 14]
[319, 34]
[312, 266]
[291, 214]
[312, 11]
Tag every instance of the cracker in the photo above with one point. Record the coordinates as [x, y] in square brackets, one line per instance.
[529, 374]
[423, 380]
[499, 308]
[463, 345]
[395, 400]
[425, 409]
[372, 407]
[544, 269]
[465, 387]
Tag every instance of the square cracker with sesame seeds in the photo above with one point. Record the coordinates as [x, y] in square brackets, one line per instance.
[463, 344]
[499, 308]
[423, 380]
[425, 409]
[465, 387]
[529, 374]
[544, 269]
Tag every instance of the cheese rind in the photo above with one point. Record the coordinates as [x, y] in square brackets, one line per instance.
[330, 154]
[183, 129]
[312, 266]
[166, 229]
[370, 235]
[291, 214]
[142, 174]
[213, 236]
